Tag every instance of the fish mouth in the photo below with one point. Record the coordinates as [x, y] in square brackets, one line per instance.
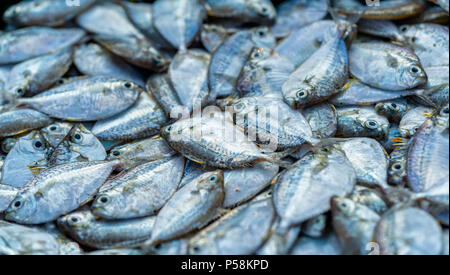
[291, 102]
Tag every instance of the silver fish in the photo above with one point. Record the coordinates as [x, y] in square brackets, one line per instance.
[178, 21]
[413, 119]
[83, 227]
[88, 99]
[58, 190]
[259, 11]
[160, 87]
[14, 45]
[19, 121]
[144, 119]
[394, 110]
[140, 192]
[212, 36]
[7, 195]
[370, 198]
[323, 119]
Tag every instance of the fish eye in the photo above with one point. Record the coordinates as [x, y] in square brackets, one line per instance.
[213, 178]
[262, 33]
[196, 248]
[158, 246]
[104, 199]
[414, 69]
[115, 153]
[239, 107]
[77, 138]
[20, 92]
[445, 111]
[38, 145]
[397, 166]
[53, 128]
[256, 54]
[371, 124]
[17, 204]
[127, 85]
[394, 107]
[403, 28]
[74, 219]
[302, 94]
[344, 206]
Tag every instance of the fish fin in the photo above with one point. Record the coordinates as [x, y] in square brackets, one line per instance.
[400, 143]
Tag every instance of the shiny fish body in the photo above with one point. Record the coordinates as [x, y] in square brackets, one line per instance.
[144, 119]
[83, 227]
[319, 77]
[273, 119]
[304, 191]
[107, 18]
[178, 21]
[264, 73]
[14, 45]
[28, 152]
[137, 51]
[429, 41]
[427, 163]
[370, 198]
[322, 118]
[229, 59]
[354, 225]
[198, 200]
[57, 191]
[38, 74]
[369, 159]
[295, 14]
[140, 192]
[239, 232]
[160, 87]
[357, 93]
[390, 10]
[361, 122]
[386, 66]
[408, 231]
[21, 120]
[258, 11]
[21, 240]
[142, 151]
[50, 13]
[88, 99]
[413, 119]
[7, 195]
[188, 74]
[380, 28]
[93, 60]
[141, 15]
[206, 141]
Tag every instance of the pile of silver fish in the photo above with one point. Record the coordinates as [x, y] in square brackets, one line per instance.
[224, 127]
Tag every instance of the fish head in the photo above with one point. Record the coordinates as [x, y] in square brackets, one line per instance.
[376, 127]
[56, 132]
[21, 208]
[160, 63]
[263, 10]
[125, 91]
[20, 89]
[390, 109]
[342, 206]
[412, 75]
[212, 180]
[397, 173]
[86, 144]
[300, 97]
[76, 221]
[110, 205]
[13, 12]
[263, 37]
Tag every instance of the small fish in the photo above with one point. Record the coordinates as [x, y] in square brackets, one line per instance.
[241, 231]
[188, 74]
[84, 228]
[257, 11]
[369, 197]
[393, 110]
[58, 190]
[18, 121]
[21, 240]
[142, 151]
[29, 152]
[386, 66]
[428, 153]
[397, 166]
[107, 18]
[198, 202]
[304, 190]
[38, 74]
[178, 21]
[413, 119]
[93, 60]
[160, 87]
[229, 59]
[139, 192]
[88, 99]
[429, 41]
[264, 73]
[354, 224]
[361, 122]
[144, 119]
[388, 10]
[295, 14]
[319, 77]
[323, 119]
[15, 45]
[408, 231]
[50, 13]
[137, 51]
